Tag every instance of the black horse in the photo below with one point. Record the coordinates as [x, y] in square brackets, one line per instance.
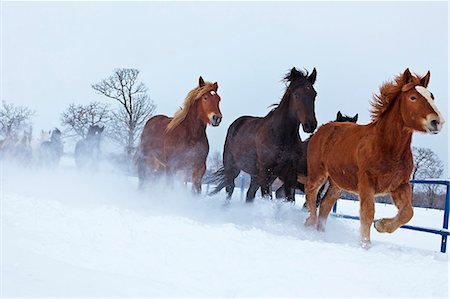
[302, 167]
[266, 147]
[50, 151]
[87, 150]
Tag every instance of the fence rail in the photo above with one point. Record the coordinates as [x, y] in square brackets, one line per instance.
[444, 232]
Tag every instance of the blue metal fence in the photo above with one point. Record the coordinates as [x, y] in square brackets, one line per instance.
[444, 232]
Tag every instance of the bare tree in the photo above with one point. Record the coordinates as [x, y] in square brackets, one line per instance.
[134, 110]
[13, 118]
[427, 165]
[78, 118]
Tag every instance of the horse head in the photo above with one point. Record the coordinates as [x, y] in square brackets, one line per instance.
[345, 118]
[302, 96]
[209, 104]
[418, 109]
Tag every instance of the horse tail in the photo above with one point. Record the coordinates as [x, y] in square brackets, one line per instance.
[218, 178]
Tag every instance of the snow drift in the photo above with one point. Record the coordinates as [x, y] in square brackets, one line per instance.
[70, 233]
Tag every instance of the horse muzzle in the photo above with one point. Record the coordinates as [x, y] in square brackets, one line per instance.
[309, 127]
[215, 120]
[434, 123]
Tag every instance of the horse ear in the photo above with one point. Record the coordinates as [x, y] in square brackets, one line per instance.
[216, 86]
[339, 115]
[425, 80]
[312, 77]
[355, 118]
[407, 76]
[201, 82]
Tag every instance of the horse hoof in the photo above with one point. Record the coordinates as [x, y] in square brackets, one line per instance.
[310, 222]
[378, 224]
[365, 244]
[320, 228]
[375, 224]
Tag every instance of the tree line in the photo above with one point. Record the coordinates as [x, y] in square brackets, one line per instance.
[123, 117]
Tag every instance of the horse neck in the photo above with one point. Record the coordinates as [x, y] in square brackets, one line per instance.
[192, 124]
[283, 119]
[393, 135]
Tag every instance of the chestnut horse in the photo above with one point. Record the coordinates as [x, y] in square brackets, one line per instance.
[169, 144]
[266, 147]
[373, 159]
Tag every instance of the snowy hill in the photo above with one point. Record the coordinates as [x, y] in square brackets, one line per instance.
[70, 233]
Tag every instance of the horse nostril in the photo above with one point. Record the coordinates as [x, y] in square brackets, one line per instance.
[434, 123]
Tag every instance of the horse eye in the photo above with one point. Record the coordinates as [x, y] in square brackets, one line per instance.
[413, 98]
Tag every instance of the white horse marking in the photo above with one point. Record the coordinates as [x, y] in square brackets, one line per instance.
[427, 95]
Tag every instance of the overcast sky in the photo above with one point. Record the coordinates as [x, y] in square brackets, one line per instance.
[53, 52]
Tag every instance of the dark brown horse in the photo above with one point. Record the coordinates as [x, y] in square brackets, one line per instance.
[375, 158]
[266, 147]
[169, 144]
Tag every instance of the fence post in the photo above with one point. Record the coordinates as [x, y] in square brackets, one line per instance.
[242, 186]
[446, 213]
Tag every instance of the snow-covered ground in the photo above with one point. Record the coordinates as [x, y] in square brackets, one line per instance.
[67, 233]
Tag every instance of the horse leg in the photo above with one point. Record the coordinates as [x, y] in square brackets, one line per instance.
[264, 182]
[280, 193]
[366, 211]
[313, 185]
[402, 197]
[197, 175]
[251, 192]
[289, 188]
[331, 196]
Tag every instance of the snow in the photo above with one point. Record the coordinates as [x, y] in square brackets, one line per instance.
[67, 233]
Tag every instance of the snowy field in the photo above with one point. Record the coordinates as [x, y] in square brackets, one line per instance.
[67, 233]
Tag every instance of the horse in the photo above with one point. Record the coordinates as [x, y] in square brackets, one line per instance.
[372, 159]
[179, 143]
[302, 166]
[23, 150]
[87, 150]
[340, 118]
[7, 146]
[51, 151]
[266, 147]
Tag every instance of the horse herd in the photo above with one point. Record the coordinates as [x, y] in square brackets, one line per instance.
[368, 160]
[48, 150]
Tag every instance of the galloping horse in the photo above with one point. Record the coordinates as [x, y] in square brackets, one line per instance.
[52, 150]
[266, 147]
[176, 143]
[375, 158]
[87, 150]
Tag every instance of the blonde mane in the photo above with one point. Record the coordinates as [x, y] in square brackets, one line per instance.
[191, 98]
[389, 91]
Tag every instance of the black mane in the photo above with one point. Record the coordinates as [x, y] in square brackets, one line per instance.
[295, 75]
